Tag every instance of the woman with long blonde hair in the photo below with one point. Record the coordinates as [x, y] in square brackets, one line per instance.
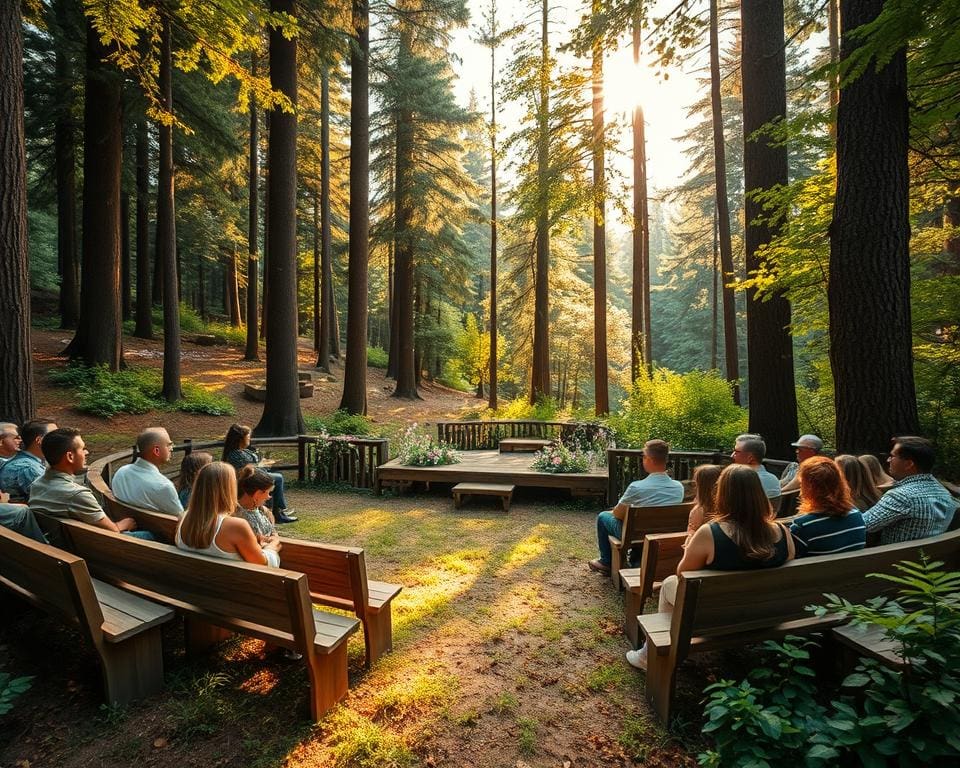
[872, 464]
[208, 527]
[743, 535]
[704, 509]
[862, 487]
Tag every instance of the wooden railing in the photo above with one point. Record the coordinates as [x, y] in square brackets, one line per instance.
[482, 435]
[354, 466]
[624, 465]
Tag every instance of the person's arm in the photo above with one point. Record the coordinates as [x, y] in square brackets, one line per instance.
[791, 485]
[694, 521]
[240, 535]
[699, 552]
[107, 524]
[168, 500]
[620, 511]
[885, 512]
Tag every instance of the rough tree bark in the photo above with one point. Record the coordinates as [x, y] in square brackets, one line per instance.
[252, 351]
[66, 164]
[871, 350]
[540, 375]
[602, 392]
[326, 265]
[640, 339]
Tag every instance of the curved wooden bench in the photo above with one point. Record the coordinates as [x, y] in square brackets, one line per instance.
[269, 603]
[123, 628]
[640, 522]
[724, 609]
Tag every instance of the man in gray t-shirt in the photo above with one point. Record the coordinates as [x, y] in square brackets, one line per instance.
[657, 489]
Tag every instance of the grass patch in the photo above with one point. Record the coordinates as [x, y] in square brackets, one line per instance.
[608, 676]
[505, 703]
[340, 422]
[356, 742]
[527, 740]
[203, 707]
[377, 357]
[423, 692]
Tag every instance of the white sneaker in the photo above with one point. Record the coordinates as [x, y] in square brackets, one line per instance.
[638, 658]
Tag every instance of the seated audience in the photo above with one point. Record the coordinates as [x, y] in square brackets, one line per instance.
[750, 450]
[704, 484]
[657, 489]
[916, 506]
[18, 473]
[807, 446]
[744, 535]
[864, 491]
[872, 464]
[254, 487]
[57, 492]
[209, 528]
[191, 464]
[142, 484]
[828, 521]
[237, 451]
[9, 441]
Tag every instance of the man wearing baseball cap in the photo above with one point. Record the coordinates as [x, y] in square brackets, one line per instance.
[807, 446]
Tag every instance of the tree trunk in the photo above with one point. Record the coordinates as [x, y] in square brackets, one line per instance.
[334, 325]
[252, 351]
[16, 385]
[492, 402]
[833, 35]
[233, 287]
[281, 410]
[144, 325]
[166, 229]
[639, 346]
[201, 288]
[125, 299]
[326, 265]
[714, 295]
[773, 397]
[871, 351]
[98, 340]
[66, 164]
[540, 376]
[602, 392]
[265, 292]
[316, 271]
[731, 353]
[354, 399]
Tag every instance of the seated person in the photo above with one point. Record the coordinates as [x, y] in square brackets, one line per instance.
[19, 518]
[58, 494]
[209, 528]
[18, 473]
[9, 441]
[704, 509]
[916, 506]
[750, 450]
[807, 446]
[828, 521]
[191, 464]
[254, 487]
[237, 451]
[744, 535]
[142, 484]
[864, 491]
[657, 489]
[872, 464]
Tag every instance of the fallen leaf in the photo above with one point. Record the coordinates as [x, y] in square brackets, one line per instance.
[23, 764]
[160, 743]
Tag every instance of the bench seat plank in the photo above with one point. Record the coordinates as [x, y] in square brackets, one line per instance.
[491, 489]
[870, 642]
[126, 614]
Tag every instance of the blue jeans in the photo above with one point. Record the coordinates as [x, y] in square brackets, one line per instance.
[144, 535]
[19, 518]
[278, 501]
[607, 525]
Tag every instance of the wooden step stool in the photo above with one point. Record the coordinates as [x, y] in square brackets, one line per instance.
[523, 444]
[505, 492]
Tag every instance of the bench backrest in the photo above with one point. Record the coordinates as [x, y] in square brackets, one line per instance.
[640, 521]
[266, 600]
[54, 580]
[717, 603]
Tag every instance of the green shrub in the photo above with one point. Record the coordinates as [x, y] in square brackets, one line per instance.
[196, 399]
[340, 422]
[11, 688]
[377, 357]
[690, 411]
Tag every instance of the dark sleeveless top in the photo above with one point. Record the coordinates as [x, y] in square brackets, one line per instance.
[727, 556]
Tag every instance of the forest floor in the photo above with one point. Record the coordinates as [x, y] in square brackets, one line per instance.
[508, 651]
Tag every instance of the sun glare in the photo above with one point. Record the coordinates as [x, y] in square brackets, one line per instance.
[624, 83]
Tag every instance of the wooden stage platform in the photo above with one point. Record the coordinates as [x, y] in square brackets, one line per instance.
[491, 466]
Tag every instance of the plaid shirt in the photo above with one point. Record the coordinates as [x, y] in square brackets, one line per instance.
[18, 474]
[914, 508]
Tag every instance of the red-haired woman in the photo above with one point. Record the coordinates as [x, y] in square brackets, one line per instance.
[829, 521]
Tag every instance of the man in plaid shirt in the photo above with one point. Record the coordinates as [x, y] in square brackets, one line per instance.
[916, 506]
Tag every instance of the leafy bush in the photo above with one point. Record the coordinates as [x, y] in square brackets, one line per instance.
[196, 399]
[377, 357]
[340, 422]
[690, 411]
[416, 449]
[909, 718]
[11, 688]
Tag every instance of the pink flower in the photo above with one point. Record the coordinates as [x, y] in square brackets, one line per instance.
[556, 460]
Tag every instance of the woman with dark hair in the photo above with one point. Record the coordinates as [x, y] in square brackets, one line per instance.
[209, 528]
[237, 451]
[704, 483]
[862, 488]
[828, 522]
[743, 535]
[191, 464]
[254, 487]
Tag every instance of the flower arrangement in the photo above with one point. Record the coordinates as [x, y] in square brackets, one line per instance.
[417, 449]
[561, 458]
[592, 439]
[331, 451]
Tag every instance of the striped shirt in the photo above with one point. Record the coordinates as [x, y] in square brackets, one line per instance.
[914, 508]
[818, 533]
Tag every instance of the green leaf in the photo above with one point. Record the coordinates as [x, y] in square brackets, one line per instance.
[856, 680]
[822, 752]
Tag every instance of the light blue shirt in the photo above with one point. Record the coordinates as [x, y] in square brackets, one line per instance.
[19, 473]
[142, 485]
[657, 489]
[770, 482]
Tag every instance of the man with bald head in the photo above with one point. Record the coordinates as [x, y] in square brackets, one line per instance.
[142, 484]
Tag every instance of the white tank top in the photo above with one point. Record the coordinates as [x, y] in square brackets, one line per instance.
[213, 550]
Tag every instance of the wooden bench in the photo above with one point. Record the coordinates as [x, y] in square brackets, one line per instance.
[856, 642]
[123, 628]
[504, 492]
[336, 575]
[662, 553]
[640, 522]
[272, 604]
[717, 609]
[523, 444]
